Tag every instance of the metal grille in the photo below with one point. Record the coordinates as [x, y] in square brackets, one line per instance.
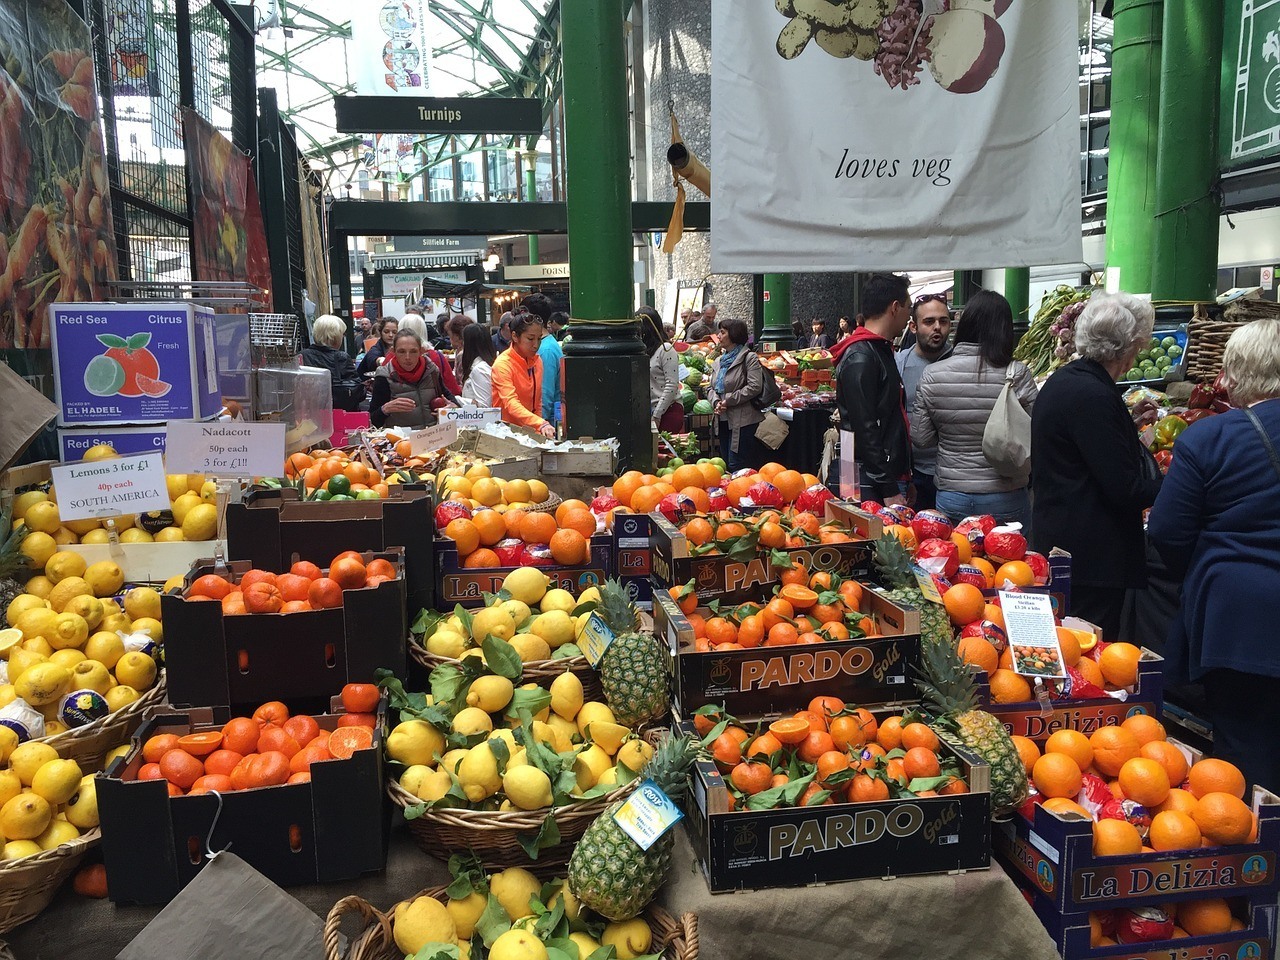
[159, 249]
[211, 60]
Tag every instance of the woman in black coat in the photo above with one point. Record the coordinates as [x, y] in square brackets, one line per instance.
[1093, 478]
[326, 351]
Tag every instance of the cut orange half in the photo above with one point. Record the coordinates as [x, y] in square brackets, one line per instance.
[790, 730]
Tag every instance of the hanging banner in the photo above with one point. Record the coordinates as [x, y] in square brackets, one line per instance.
[390, 52]
[131, 25]
[894, 144]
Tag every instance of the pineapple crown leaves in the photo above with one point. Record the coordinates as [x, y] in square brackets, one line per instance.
[670, 764]
[617, 608]
[894, 562]
[945, 681]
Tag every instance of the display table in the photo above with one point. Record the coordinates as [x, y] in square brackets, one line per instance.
[802, 450]
[974, 914]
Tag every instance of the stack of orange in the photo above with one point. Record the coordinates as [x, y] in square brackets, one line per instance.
[807, 608]
[845, 754]
[268, 749]
[1191, 918]
[1192, 805]
[317, 468]
[490, 538]
[305, 587]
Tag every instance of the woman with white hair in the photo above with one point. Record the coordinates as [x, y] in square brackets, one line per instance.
[1217, 523]
[1093, 478]
[326, 351]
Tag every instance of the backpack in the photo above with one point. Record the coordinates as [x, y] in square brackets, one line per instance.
[1006, 439]
[770, 392]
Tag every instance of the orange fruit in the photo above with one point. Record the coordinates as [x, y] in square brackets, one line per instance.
[770, 470]
[222, 762]
[265, 598]
[1016, 572]
[865, 789]
[565, 508]
[800, 598]
[277, 738]
[751, 778]
[240, 735]
[512, 519]
[1115, 838]
[1171, 830]
[906, 536]
[1223, 818]
[1027, 750]
[988, 571]
[979, 652]
[1144, 727]
[993, 613]
[1070, 646]
[815, 745]
[1008, 687]
[1178, 800]
[157, 746]
[776, 611]
[870, 755]
[711, 474]
[484, 558]
[1090, 670]
[720, 630]
[580, 519]
[831, 762]
[626, 485]
[255, 576]
[889, 735]
[1144, 781]
[790, 484]
[324, 594]
[1063, 805]
[569, 547]
[209, 586]
[1112, 746]
[1168, 756]
[809, 797]
[919, 735]
[726, 749]
[791, 730]
[751, 631]
[350, 573]
[687, 604]
[1215, 776]
[1074, 744]
[964, 603]
[963, 547]
[782, 635]
[491, 526]
[847, 731]
[1202, 918]
[826, 707]
[701, 500]
[817, 723]
[181, 768]
[1119, 664]
[537, 527]
[646, 499]
[345, 741]
[921, 762]
[699, 531]
[1056, 775]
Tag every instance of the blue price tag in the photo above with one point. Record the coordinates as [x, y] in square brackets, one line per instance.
[647, 814]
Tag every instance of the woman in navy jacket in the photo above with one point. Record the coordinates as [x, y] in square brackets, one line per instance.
[1218, 520]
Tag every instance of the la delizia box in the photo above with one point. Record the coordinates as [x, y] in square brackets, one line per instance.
[468, 585]
[334, 827]
[133, 363]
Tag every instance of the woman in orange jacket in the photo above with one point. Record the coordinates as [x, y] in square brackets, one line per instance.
[517, 377]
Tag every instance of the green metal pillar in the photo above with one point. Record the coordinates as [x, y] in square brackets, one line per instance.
[606, 371]
[1017, 290]
[1135, 112]
[777, 311]
[1185, 263]
[965, 283]
[531, 195]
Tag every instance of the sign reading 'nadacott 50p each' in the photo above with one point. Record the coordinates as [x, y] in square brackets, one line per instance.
[896, 140]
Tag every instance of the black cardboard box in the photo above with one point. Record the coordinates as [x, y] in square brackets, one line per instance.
[336, 827]
[296, 657]
[274, 528]
[633, 556]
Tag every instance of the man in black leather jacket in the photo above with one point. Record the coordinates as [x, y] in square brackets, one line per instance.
[869, 391]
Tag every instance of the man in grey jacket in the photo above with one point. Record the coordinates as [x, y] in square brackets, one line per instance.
[931, 324]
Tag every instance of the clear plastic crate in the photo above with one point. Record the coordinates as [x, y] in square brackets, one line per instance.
[299, 397]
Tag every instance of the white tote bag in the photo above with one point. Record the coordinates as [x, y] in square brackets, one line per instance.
[1006, 440]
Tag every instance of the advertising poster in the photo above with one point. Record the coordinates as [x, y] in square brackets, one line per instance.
[56, 238]
[230, 238]
[130, 27]
[390, 50]
[895, 141]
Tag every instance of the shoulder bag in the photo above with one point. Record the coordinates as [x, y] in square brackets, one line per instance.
[1006, 439]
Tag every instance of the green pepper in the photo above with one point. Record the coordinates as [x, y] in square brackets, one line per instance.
[1167, 431]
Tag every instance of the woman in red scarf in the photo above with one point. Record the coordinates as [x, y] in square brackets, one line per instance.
[407, 387]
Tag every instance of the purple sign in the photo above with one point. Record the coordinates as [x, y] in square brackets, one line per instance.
[133, 363]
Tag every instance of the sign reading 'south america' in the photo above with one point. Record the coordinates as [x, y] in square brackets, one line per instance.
[894, 134]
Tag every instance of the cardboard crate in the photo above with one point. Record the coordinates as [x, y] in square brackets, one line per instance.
[633, 556]
[28, 475]
[334, 828]
[1054, 854]
[719, 577]
[148, 562]
[300, 658]
[275, 528]
[1058, 587]
[1071, 936]
[767, 680]
[457, 584]
[762, 850]
[1030, 720]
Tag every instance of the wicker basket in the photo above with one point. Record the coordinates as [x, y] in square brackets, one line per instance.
[27, 885]
[546, 506]
[493, 836]
[541, 672]
[88, 745]
[1206, 341]
[675, 938]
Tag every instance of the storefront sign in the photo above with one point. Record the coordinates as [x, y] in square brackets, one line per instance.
[390, 51]
[419, 244]
[223, 449]
[953, 146]
[109, 488]
[538, 271]
[438, 114]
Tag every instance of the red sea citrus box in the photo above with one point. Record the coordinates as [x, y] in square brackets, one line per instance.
[133, 363]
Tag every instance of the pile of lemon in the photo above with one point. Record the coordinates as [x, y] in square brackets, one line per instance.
[193, 507]
[45, 801]
[65, 633]
[478, 487]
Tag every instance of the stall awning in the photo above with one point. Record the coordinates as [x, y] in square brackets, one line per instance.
[409, 261]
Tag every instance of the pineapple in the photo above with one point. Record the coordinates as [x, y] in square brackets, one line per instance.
[948, 692]
[633, 672]
[13, 563]
[893, 563]
[608, 871]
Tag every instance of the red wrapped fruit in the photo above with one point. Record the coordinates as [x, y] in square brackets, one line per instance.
[1039, 565]
[975, 529]
[993, 633]
[872, 507]
[451, 510]
[971, 575]
[719, 499]
[509, 551]
[536, 555]
[1143, 925]
[677, 507]
[604, 503]
[764, 494]
[943, 550]
[931, 525]
[1005, 544]
[814, 499]
[902, 513]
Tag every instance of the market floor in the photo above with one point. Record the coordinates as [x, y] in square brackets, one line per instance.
[974, 915]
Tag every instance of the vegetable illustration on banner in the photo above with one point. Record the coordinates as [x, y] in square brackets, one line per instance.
[390, 50]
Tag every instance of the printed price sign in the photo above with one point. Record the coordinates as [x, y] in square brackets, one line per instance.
[432, 438]
[928, 586]
[1033, 636]
[225, 449]
[647, 815]
[595, 639]
[470, 416]
[108, 488]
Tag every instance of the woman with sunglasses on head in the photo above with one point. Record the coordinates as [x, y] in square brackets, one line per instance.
[953, 403]
[517, 377]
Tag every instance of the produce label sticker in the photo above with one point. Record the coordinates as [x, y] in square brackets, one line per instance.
[928, 586]
[647, 815]
[470, 416]
[108, 488]
[595, 639]
[225, 449]
[432, 438]
[1033, 635]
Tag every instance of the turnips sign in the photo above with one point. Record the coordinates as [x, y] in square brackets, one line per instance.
[899, 138]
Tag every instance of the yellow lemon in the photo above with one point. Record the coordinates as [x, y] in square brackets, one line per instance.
[43, 683]
[7, 694]
[415, 742]
[585, 944]
[36, 622]
[10, 785]
[25, 817]
[176, 582]
[608, 736]
[527, 787]
[517, 491]
[126, 521]
[98, 536]
[67, 657]
[555, 627]
[27, 758]
[105, 647]
[209, 491]
[9, 639]
[88, 608]
[21, 604]
[514, 887]
[64, 591]
[116, 621]
[25, 501]
[589, 766]
[8, 742]
[105, 578]
[100, 451]
[196, 482]
[39, 547]
[423, 921]
[65, 564]
[57, 781]
[170, 535]
[566, 695]
[70, 631]
[538, 492]
[142, 602]
[136, 535]
[478, 773]
[38, 645]
[201, 522]
[490, 693]
[62, 536]
[81, 527]
[120, 751]
[42, 517]
[56, 834]
[592, 711]
[120, 696]
[447, 643]
[151, 627]
[495, 621]
[635, 754]
[184, 504]
[39, 586]
[91, 675]
[136, 669]
[629, 938]
[558, 600]
[526, 584]
[176, 483]
[466, 912]
[17, 849]
[21, 660]
[470, 721]
[530, 647]
[82, 807]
